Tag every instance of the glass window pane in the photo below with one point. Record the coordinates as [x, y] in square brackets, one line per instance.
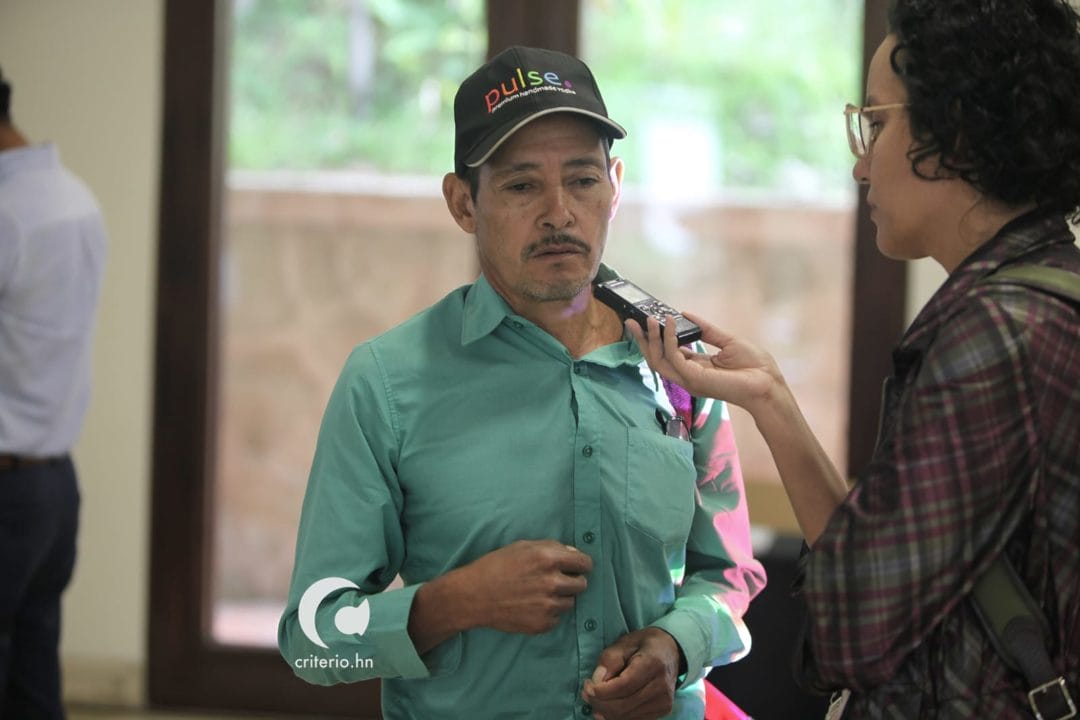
[341, 126]
[739, 202]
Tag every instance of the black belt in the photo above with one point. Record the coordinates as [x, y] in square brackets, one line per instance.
[14, 462]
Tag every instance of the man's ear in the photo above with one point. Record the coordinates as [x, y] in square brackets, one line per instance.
[459, 201]
[615, 172]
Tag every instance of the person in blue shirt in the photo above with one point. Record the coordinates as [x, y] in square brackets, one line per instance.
[504, 452]
[52, 255]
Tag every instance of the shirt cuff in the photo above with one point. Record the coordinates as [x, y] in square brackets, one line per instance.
[715, 638]
[388, 638]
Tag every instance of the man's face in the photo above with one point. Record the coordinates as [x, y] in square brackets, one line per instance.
[542, 209]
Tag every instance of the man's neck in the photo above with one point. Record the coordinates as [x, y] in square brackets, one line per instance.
[581, 325]
[10, 137]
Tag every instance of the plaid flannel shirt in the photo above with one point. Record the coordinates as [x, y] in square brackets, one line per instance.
[978, 456]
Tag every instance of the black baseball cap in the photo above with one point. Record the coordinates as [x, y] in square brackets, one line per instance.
[514, 88]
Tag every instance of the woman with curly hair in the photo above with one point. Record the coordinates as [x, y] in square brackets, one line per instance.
[969, 148]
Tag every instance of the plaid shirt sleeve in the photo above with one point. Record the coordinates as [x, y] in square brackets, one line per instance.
[946, 488]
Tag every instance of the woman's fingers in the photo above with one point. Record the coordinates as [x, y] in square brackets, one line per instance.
[710, 333]
[652, 348]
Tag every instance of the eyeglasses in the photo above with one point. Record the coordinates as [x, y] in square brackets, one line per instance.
[861, 132]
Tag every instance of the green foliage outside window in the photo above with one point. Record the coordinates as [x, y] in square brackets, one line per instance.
[297, 100]
[768, 80]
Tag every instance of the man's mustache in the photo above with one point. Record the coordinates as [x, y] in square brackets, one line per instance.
[556, 240]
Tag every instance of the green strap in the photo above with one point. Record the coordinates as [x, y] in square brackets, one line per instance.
[1019, 631]
[1055, 281]
[1012, 619]
[1001, 597]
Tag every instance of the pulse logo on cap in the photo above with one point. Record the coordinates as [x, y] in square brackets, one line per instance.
[530, 79]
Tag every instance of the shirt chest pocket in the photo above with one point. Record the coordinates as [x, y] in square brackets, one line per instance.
[660, 485]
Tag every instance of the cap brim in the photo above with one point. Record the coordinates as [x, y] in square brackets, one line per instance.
[487, 148]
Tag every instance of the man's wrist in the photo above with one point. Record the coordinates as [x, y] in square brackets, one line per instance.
[441, 609]
[455, 600]
[681, 673]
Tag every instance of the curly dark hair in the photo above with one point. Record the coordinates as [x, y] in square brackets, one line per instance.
[994, 92]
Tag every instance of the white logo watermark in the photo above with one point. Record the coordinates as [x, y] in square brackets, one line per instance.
[348, 620]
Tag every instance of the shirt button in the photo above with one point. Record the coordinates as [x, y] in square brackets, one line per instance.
[586, 709]
[587, 451]
[588, 536]
[518, 325]
[590, 624]
[577, 368]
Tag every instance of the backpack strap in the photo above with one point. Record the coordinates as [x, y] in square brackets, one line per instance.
[1018, 629]
[1056, 281]
[1012, 619]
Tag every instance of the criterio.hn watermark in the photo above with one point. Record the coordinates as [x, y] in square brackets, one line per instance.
[335, 663]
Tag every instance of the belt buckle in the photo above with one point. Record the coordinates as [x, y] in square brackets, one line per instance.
[1069, 709]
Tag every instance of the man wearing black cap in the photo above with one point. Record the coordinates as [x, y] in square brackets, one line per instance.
[504, 452]
[52, 253]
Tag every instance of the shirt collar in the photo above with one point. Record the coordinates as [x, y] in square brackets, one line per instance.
[28, 157]
[485, 309]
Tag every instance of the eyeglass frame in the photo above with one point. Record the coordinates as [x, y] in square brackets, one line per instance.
[855, 142]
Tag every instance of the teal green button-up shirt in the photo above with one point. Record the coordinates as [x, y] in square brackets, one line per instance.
[467, 428]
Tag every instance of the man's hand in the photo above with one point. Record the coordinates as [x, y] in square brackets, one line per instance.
[525, 586]
[521, 588]
[635, 677]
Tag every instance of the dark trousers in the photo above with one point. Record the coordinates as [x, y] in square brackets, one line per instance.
[39, 515]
